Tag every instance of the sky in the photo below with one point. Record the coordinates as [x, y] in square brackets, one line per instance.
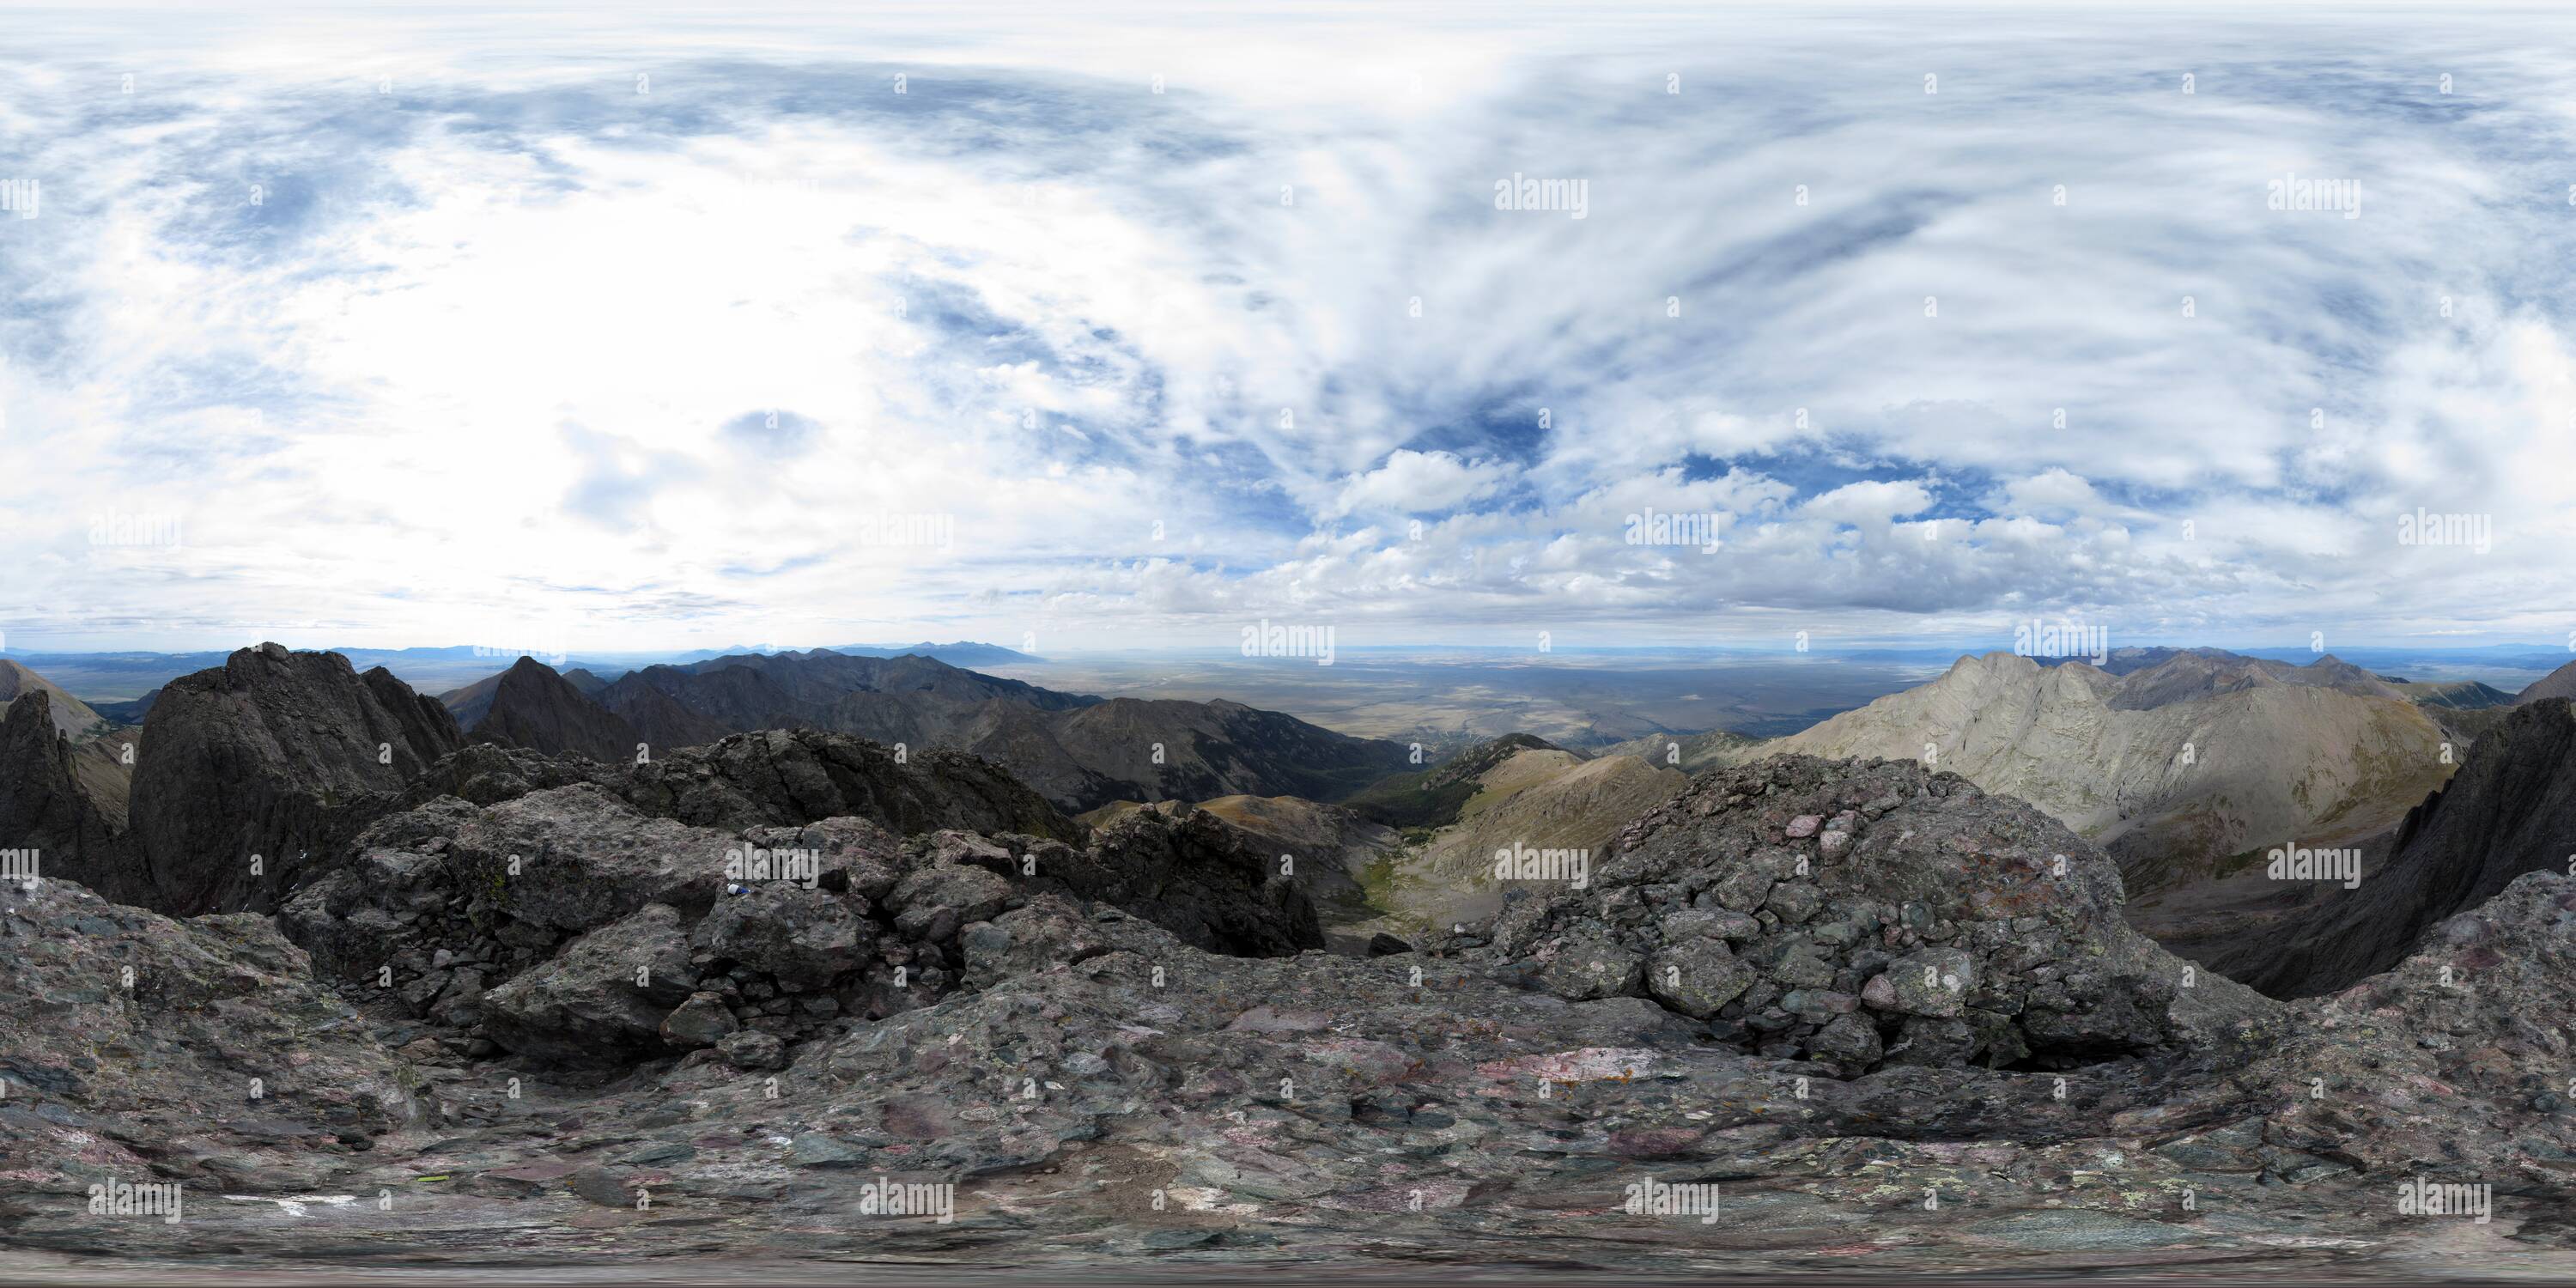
[600, 328]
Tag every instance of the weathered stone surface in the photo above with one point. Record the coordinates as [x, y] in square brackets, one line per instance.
[700, 1021]
[602, 999]
[796, 935]
[1939, 901]
[1695, 976]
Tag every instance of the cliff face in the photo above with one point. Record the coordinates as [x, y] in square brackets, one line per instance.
[2510, 810]
[43, 806]
[275, 754]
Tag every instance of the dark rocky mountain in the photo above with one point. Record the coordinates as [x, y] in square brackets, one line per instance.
[1167, 749]
[275, 754]
[657, 717]
[781, 777]
[531, 706]
[43, 804]
[2510, 810]
[1081, 752]
[129, 712]
[1867, 1000]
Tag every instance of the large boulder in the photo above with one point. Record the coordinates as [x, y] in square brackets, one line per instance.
[1196, 875]
[602, 999]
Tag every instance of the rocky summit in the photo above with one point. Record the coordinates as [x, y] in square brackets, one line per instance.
[1839, 1017]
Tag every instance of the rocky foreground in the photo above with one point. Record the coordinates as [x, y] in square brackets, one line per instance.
[1811, 1017]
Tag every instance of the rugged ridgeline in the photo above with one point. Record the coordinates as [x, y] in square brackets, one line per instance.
[2510, 810]
[1689, 753]
[1896, 1016]
[289, 756]
[1080, 752]
[2277, 753]
[531, 706]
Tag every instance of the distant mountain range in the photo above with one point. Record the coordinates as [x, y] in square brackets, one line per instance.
[127, 679]
[1079, 751]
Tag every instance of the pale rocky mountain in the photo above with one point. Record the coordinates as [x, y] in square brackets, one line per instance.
[1687, 752]
[2191, 674]
[2560, 683]
[72, 718]
[1535, 798]
[2314, 756]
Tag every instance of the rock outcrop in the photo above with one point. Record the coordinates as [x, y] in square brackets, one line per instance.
[274, 754]
[139, 1049]
[1078, 1089]
[567, 926]
[1860, 913]
[43, 805]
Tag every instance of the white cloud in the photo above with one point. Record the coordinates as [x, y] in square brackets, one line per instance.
[1412, 482]
[1166, 359]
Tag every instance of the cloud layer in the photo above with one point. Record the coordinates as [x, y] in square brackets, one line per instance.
[643, 333]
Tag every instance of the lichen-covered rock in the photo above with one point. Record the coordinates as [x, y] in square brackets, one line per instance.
[137, 1048]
